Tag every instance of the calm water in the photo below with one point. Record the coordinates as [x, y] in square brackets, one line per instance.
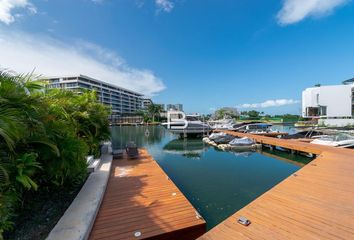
[216, 183]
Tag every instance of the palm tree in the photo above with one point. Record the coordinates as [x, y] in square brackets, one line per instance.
[154, 110]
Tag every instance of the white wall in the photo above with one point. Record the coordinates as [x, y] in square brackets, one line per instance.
[342, 122]
[337, 98]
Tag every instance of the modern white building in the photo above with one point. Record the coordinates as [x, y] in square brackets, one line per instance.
[122, 101]
[332, 105]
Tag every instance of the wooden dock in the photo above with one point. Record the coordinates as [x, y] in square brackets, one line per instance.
[316, 202]
[141, 202]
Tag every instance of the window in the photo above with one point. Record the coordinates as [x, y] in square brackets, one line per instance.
[323, 110]
[71, 85]
[312, 111]
[318, 98]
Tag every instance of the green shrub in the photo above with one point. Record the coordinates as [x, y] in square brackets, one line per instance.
[45, 136]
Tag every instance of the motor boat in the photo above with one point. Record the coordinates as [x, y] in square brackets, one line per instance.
[223, 124]
[221, 138]
[304, 134]
[218, 138]
[240, 144]
[180, 123]
[341, 140]
[255, 128]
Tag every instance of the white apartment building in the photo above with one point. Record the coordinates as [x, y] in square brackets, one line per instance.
[122, 101]
[332, 105]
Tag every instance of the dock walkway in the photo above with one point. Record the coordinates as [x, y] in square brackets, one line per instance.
[141, 202]
[317, 202]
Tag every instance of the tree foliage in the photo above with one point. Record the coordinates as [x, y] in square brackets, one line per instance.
[226, 112]
[45, 136]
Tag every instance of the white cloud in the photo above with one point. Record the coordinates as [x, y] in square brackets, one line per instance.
[7, 8]
[23, 52]
[164, 5]
[296, 10]
[269, 103]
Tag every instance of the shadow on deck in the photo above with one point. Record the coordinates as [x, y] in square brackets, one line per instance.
[141, 202]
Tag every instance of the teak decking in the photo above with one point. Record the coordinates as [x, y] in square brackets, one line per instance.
[141, 198]
[317, 202]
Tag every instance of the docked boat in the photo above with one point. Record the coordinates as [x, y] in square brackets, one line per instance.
[341, 140]
[223, 124]
[304, 134]
[180, 123]
[255, 128]
[221, 138]
[241, 144]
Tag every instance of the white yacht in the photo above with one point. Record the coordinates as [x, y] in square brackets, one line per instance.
[180, 123]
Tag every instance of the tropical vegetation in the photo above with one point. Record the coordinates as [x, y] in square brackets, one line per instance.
[226, 112]
[152, 113]
[45, 136]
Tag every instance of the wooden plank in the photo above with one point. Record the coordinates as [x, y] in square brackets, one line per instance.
[140, 197]
[290, 143]
[314, 203]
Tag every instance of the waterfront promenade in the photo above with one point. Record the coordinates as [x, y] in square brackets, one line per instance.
[316, 202]
[141, 202]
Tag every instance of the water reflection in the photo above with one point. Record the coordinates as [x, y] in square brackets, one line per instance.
[140, 135]
[219, 183]
[191, 148]
[242, 154]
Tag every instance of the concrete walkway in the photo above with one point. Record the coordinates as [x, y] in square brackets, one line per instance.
[78, 219]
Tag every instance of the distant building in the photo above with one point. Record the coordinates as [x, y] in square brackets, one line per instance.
[122, 101]
[175, 107]
[332, 105]
[162, 106]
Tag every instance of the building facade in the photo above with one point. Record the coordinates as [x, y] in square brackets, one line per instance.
[122, 101]
[174, 107]
[332, 105]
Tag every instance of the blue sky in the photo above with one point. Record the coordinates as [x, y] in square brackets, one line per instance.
[205, 54]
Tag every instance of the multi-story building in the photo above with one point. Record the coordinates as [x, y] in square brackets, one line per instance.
[332, 105]
[174, 107]
[122, 101]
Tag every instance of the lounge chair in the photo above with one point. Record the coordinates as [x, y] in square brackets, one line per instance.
[132, 150]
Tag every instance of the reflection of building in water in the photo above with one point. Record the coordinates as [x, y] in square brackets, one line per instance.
[121, 135]
[191, 148]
